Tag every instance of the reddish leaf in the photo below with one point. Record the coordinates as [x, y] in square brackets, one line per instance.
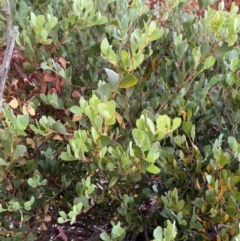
[76, 94]
[37, 76]
[48, 78]
[57, 85]
[61, 85]
[36, 91]
[43, 87]
[31, 75]
[52, 90]
[62, 62]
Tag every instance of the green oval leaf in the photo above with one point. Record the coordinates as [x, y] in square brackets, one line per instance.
[157, 234]
[40, 20]
[76, 109]
[61, 220]
[125, 57]
[19, 150]
[44, 34]
[153, 169]
[112, 182]
[209, 62]
[102, 20]
[156, 34]
[22, 121]
[113, 79]
[59, 128]
[2, 162]
[138, 59]
[65, 156]
[44, 66]
[105, 46]
[128, 81]
[176, 123]
[187, 127]
[28, 67]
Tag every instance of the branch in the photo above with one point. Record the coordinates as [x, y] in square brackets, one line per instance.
[8, 52]
[7, 11]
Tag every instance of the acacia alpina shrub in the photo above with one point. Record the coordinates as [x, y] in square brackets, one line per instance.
[116, 122]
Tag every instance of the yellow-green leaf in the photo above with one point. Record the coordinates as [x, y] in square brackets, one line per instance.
[153, 169]
[112, 181]
[128, 81]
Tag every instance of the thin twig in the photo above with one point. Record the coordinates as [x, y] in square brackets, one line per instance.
[8, 52]
[62, 233]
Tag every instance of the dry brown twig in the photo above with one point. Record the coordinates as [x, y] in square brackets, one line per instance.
[11, 37]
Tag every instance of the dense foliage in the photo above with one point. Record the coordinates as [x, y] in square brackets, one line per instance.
[122, 116]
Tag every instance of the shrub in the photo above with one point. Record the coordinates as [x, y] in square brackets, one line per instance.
[117, 114]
